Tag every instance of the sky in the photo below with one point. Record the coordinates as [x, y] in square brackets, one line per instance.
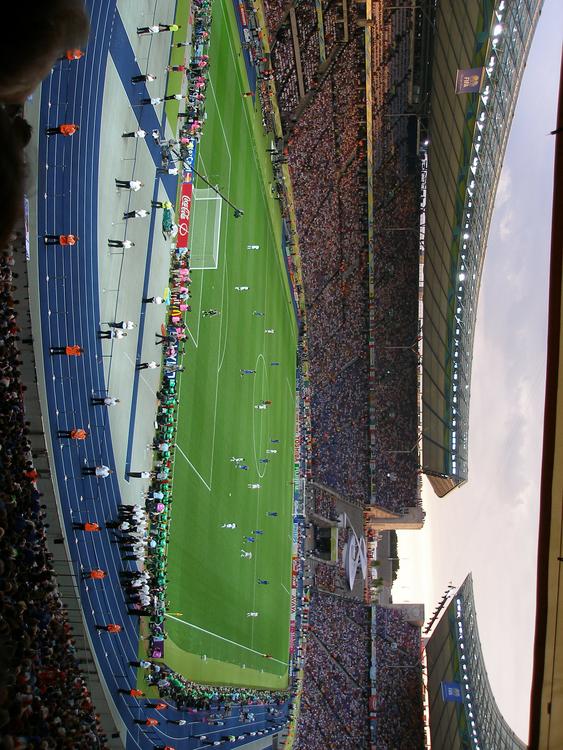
[489, 526]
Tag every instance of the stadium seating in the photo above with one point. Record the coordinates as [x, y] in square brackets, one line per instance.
[334, 706]
[274, 11]
[44, 694]
[286, 75]
[326, 151]
[398, 683]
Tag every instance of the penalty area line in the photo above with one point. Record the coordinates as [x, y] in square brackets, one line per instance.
[215, 635]
[193, 467]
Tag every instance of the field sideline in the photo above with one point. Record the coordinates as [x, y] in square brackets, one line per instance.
[210, 587]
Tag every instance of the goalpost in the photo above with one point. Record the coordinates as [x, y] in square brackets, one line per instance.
[205, 231]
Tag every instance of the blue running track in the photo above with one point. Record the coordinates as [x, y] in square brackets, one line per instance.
[69, 301]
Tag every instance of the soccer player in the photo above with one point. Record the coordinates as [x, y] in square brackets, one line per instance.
[272, 513]
[211, 313]
[258, 313]
[228, 525]
[247, 372]
[246, 555]
[260, 406]
[242, 288]
[269, 330]
[264, 461]
[250, 539]
[253, 247]
[244, 467]
[271, 450]
[236, 460]
[263, 581]
[252, 614]
[257, 531]
[254, 486]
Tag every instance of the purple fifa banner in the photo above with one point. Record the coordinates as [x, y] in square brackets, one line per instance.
[469, 80]
[156, 649]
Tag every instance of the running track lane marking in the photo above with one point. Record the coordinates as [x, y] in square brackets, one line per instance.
[194, 468]
[240, 645]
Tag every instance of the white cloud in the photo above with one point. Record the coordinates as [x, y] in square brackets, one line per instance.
[504, 188]
[506, 226]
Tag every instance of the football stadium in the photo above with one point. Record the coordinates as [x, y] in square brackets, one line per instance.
[242, 250]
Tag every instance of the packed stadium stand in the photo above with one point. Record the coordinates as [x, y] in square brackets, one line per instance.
[325, 134]
[356, 196]
[334, 707]
[398, 681]
[43, 693]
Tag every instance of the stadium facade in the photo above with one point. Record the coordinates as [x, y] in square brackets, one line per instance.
[467, 137]
[463, 712]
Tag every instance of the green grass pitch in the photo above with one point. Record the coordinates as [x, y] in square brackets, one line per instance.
[209, 583]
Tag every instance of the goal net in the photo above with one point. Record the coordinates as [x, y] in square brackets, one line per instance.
[205, 230]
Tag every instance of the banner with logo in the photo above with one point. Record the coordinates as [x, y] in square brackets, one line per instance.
[184, 215]
[451, 692]
[469, 80]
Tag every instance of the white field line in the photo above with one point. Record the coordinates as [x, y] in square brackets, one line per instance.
[215, 635]
[193, 467]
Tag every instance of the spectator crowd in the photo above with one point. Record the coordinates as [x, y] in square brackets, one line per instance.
[44, 701]
[398, 682]
[334, 705]
[364, 416]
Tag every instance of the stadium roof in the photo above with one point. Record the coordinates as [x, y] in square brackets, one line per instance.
[546, 711]
[463, 711]
[468, 134]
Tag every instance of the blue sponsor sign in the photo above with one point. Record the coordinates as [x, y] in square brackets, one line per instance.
[451, 692]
